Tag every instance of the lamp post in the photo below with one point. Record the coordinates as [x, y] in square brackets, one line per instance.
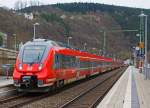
[104, 42]
[139, 36]
[69, 38]
[100, 52]
[34, 26]
[85, 44]
[20, 45]
[146, 64]
[142, 15]
[15, 43]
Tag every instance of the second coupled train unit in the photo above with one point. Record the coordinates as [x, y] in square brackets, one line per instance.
[43, 64]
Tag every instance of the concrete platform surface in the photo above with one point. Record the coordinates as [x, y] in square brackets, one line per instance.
[130, 91]
[4, 81]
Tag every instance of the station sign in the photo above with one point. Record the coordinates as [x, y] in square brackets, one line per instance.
[141, 45]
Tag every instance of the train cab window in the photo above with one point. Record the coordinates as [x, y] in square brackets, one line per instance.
[33, 54]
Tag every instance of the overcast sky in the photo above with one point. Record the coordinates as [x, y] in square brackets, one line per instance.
[129, 3]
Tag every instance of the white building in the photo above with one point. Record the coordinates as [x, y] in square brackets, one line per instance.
[63, 16]
[29, 16]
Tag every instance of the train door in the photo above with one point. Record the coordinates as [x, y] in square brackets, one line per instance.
[56, 61]
[92, 68]
[58, 70]
[78, 67]
[56, 65]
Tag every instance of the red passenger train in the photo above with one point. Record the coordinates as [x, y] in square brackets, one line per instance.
[44, 64]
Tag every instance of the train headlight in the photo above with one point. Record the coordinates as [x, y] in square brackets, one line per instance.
[20, 66]
[40, 66]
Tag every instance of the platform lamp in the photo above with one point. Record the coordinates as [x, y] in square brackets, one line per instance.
[142, 15]
[104, 41]
[85, 44]
[69, 38]
[15, 43]
[34, 27]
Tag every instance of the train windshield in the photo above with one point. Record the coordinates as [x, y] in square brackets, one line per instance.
[33, 54]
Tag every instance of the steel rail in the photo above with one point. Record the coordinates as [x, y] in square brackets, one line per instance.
[87, 91]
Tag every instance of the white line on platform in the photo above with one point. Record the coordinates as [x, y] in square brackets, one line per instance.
[127, 100]
[111, 93]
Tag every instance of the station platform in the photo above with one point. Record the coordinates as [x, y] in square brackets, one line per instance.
[4, 81]
[130, 91]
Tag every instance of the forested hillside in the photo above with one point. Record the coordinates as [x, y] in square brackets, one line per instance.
[84, 22]
[127, 17]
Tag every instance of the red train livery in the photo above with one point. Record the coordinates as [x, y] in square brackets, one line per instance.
[44, 64]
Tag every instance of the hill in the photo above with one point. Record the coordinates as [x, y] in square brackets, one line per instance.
[82, 21]
[127, 18]
[12, 23]
[83, 27]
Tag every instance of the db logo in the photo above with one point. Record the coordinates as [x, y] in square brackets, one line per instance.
[29, 68]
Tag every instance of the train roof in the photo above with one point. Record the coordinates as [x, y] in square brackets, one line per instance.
[42, 42]
[63, 48]
[48, 42]
[82, 55]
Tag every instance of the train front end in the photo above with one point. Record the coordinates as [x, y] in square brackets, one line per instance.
[33, 69]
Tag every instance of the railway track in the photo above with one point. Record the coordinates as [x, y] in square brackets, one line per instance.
[16, 101]
[61, 97]
[7, 91]
[91, 97]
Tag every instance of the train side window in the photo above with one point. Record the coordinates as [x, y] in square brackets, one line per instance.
[73, 61]
[56, 61]
[64, 61]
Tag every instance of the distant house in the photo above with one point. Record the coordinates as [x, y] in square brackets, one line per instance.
[29, 16]
[3, 40]
[63, 16]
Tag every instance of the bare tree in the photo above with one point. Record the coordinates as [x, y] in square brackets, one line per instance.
[31, 3]
[25, 4]
[38, 3]
[20, 4]
[17, 5]
[34, 3]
